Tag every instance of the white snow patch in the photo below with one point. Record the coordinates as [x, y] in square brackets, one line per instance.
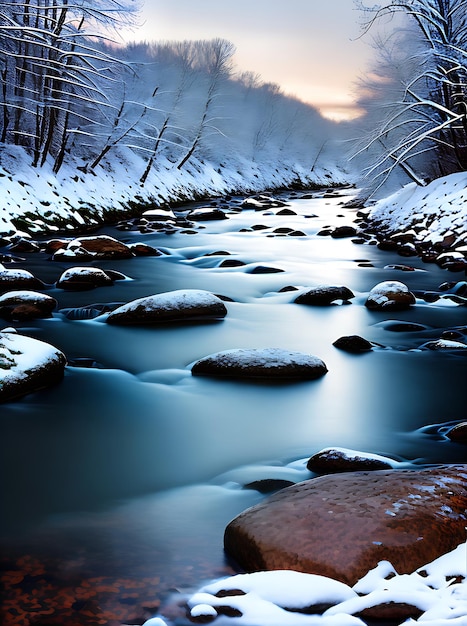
[432, 588]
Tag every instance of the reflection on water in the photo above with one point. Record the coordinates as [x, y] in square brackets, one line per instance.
[141, 429]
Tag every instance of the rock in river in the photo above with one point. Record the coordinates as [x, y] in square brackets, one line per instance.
[26, 305]
[334, 460]
[83, 278]
[173, 306]
[266, 363]
[390, 295]
[343, 525]
[353, 343]
[18, 279]
[324, 295]
[97, 246]
[27, 365]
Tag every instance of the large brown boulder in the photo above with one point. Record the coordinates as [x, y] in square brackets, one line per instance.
[343, 525]
[27, 365]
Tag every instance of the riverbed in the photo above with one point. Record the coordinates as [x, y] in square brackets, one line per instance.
[118, 482]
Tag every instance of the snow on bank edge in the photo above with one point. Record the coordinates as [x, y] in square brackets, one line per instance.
[73, 198]
[438, 210]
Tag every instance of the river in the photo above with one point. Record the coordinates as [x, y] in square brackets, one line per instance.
[117, 483]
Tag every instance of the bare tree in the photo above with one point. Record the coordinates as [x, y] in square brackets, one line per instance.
[215, 57]
[53, 69]
[423, 65]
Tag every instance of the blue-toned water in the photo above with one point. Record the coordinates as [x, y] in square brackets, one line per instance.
[135, 464]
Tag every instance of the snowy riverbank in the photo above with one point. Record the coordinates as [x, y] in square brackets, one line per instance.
[431, 214]
[36, 199]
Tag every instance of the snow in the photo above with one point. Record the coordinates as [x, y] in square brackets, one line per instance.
[180, 299]
[33, 297]
[267, 357]
[287, 588]
[351, 455]
[263, 597]
[436, 210]
[72, 197]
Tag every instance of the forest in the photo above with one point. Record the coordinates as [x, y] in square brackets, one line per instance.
[68, 91]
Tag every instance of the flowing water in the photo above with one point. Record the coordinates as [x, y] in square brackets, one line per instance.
[117, 483]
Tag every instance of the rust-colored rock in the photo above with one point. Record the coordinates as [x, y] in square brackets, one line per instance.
[342, 525]
[390, 295]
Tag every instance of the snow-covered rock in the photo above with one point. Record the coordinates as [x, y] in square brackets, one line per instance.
[98, 247]
[18, 279]
[27, 365]
[331, 460]
[173, 306]
[260, 363]
[20, 305]
[83, 278]
[390, 295]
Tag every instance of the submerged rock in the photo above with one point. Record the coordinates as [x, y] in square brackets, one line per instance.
[261, 363]
[173, 306]
[390, 295]
[343, 525]
[27, 365]
[324, 295]
[265, 269]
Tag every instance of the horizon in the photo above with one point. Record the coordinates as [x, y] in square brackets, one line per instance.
[283, 45]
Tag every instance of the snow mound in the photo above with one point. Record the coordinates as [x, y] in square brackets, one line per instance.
[275, 598]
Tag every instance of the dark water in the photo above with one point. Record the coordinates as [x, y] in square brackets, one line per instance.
[130, 471]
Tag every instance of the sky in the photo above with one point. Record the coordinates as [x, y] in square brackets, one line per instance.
[309, 47]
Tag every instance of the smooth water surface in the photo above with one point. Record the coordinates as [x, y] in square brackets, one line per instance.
[136, 465]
